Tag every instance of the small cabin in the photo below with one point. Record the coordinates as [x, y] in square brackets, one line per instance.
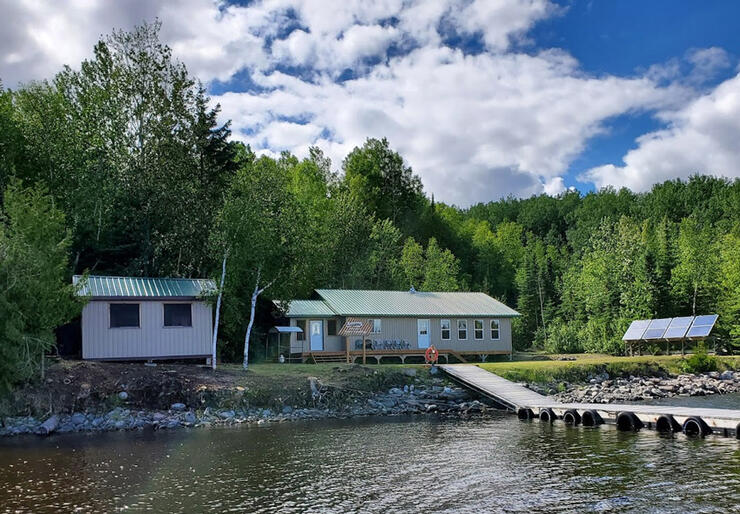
[400, 324]
[135, 318]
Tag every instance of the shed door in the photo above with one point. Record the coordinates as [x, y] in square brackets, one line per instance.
[317, 336]
[423, 332]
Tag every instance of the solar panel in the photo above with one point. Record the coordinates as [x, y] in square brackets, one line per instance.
[702, 326]
[708, 319]
[657, 328]
[635, 330]
[678, 327]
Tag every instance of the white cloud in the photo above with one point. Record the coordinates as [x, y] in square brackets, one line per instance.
[702, 137]
[475, 127]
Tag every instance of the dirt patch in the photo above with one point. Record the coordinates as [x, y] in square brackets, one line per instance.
[77, 386]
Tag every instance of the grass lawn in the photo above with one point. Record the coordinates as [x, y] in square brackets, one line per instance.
[554, 370]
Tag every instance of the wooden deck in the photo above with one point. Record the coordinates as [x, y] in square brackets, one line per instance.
[516, 398]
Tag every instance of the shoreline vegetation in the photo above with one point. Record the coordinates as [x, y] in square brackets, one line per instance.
[81, 396]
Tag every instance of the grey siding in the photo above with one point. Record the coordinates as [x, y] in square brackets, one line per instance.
[152, 340]
[406, 329]
[331, 343]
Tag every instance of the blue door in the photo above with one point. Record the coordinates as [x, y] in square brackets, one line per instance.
[423, 332]
[317, 336]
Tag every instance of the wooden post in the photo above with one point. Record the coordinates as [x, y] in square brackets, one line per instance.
[683, 349]
[346, 343]
[364, 351]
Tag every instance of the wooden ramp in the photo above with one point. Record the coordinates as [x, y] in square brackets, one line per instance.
[526, 402]
[509, 394]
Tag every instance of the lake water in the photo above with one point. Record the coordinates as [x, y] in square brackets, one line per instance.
[490, 464]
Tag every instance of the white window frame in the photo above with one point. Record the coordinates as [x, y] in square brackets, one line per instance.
[377, 326]
[459, 329]
[497, 329]
[482, 330]
[442, 329]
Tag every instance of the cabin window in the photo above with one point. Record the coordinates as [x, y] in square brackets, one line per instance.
[462, 329]
[445, 326]
[494, 329]
[331, 327]
[178, 315]
[377, 326]
[124, 315]
[478, 329]
[301, 336]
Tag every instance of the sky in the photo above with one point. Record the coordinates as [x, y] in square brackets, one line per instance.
[483, 98]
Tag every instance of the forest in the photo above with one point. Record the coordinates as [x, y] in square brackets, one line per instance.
[121, 166]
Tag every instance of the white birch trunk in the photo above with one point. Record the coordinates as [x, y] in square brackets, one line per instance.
[218, 311]
[255, 294]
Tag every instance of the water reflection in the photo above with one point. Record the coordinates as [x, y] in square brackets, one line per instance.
[373, 465]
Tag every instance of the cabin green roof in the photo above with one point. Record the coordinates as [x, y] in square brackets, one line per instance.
[309, 308]
[350, 302]
[98, 286]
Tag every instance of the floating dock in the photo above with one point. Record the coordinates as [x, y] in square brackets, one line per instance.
[529, 404]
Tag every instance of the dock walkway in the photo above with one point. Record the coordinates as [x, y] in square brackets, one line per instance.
[528, 403]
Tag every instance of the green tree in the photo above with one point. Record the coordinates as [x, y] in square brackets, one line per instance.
[694, 278]
[729, 286]
[262, 227]
[441, 269]
[36, 295]
[412, 263]
[382, 181]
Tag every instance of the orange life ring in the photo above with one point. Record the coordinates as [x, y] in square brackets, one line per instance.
[431, 355]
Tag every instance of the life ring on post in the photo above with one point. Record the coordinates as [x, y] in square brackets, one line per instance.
[431, 356]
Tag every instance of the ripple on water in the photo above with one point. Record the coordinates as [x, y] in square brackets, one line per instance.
[373, 465]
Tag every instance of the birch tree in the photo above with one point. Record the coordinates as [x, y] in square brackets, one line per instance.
[262, 226]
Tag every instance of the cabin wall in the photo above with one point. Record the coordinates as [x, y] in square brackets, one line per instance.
[152, 340]
[406, 329]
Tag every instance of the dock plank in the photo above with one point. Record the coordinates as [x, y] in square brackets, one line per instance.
[516, 396]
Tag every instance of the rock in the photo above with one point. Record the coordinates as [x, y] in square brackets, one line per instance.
[287, 409]
[433, 370]
[158, 416]
[405, 389]
[395, 391]
[177, 407]
[409, 372]
[50, 425]
[123, 395]
[227, 414]
[431, 407]
[78, 418]
[727, 375]
[189, 417]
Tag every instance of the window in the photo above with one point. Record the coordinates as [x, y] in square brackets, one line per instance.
[301, 336]
[377, 327]
[124, 315]
[462, 329]
[178, 315]
[331, 327]
[478, 329]
[445, 326]
[494, 329]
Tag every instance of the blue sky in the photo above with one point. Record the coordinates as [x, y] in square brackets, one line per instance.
[483, 98]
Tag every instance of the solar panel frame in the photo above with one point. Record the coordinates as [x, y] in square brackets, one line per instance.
[656, 329]
[678, 327]
[702, 326]
[635, 330]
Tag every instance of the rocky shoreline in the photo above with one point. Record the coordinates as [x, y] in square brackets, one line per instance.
[423, 399]
[604, 389]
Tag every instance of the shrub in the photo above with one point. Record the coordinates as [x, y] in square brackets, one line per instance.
[563, 338]
[699, 362]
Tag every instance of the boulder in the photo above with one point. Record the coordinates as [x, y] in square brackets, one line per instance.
[177, 407]
[50, 425]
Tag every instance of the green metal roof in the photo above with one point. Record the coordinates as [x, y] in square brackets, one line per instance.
[347, 302]
[308, 308]
[142, 287]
